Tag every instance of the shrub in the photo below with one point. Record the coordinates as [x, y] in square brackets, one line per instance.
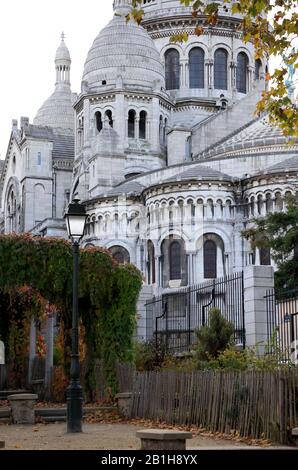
[149, 357]
[214, 338]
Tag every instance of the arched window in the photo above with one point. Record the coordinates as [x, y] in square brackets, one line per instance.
[265, 257]
[151, 263]
[131, 123]
[98, 121]
[164, 138]
[109, 114]
[161, 129]
[14, 163]
[172, 65]
[258, 68]
[210, 259]
[142, 125]
[241, 79]
[221, 69]
[175, 261]
[196, 68]
[120, 254]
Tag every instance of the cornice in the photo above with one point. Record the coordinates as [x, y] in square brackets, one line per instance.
[105, 96]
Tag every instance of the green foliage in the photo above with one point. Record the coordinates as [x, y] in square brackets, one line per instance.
[248, 359]
[214, 338]
[107, 293]
[149, 357]
[279, 232]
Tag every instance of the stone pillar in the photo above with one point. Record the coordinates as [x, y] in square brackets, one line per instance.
[137, 128]
[49, 349]
[32, 347]
[163, 439]
[233, 68]
[190, 264]
[146, 294]
[22, 408]
[250, 78]
[257, 280]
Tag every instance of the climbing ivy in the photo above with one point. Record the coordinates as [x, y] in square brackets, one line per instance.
[108, 293]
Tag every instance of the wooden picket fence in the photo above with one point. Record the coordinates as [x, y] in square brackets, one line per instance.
[256, 404]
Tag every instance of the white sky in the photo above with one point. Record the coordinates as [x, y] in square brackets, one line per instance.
[30, 32]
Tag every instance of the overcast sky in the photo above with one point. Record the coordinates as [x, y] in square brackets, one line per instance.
[30, 32]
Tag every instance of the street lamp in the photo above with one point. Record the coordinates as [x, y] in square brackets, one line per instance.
[75, 222]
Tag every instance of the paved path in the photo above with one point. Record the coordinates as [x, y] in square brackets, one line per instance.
[94, 437]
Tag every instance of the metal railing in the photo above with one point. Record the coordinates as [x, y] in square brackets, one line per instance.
[174, 317]
[282, 323]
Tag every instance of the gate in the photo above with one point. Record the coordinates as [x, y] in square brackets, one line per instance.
[282, 324]
[174, 317]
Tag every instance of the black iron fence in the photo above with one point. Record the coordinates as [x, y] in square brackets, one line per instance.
[282, 323]
[174, 317]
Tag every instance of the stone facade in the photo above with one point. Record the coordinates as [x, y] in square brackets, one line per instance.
[161, 144]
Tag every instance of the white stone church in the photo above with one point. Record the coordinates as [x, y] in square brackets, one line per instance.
[162, 145]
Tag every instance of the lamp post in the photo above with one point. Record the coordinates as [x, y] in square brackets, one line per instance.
[75, 222]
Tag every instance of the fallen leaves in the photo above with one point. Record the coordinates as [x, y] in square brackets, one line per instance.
[113, 417]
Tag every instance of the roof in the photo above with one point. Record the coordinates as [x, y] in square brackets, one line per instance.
[123, 54]
[63, 145]
[291, 164]
[129, 188]
[63, 139]
[57, 110]
[257, 133]
[199, 172]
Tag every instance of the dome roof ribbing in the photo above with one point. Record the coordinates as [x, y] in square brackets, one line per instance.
[57, 110]
[123, 54]
[62, 52]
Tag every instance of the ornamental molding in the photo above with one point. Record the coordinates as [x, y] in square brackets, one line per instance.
[252, 151]
[160, 189]
[137, 97]
[102, 98]
[63, 164]
[191, 32]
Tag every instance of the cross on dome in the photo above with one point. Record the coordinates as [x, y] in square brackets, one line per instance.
[62, 36]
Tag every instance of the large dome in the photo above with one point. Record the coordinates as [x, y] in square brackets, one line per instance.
[124, 54]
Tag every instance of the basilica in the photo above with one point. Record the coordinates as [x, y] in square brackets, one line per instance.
[162, 145]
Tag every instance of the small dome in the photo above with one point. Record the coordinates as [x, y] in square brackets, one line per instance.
[62, 53]
[123, 54]
[57, 110]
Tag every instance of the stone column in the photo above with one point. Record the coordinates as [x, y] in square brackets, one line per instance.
[210, 74]
[146, 295]
[233, 68]
[238, 245]
[187, 81]
[148, 129]
[257, 280]
[49, 349]
[137, 128]
[251, 72]
[85, 130]
[32, 347]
